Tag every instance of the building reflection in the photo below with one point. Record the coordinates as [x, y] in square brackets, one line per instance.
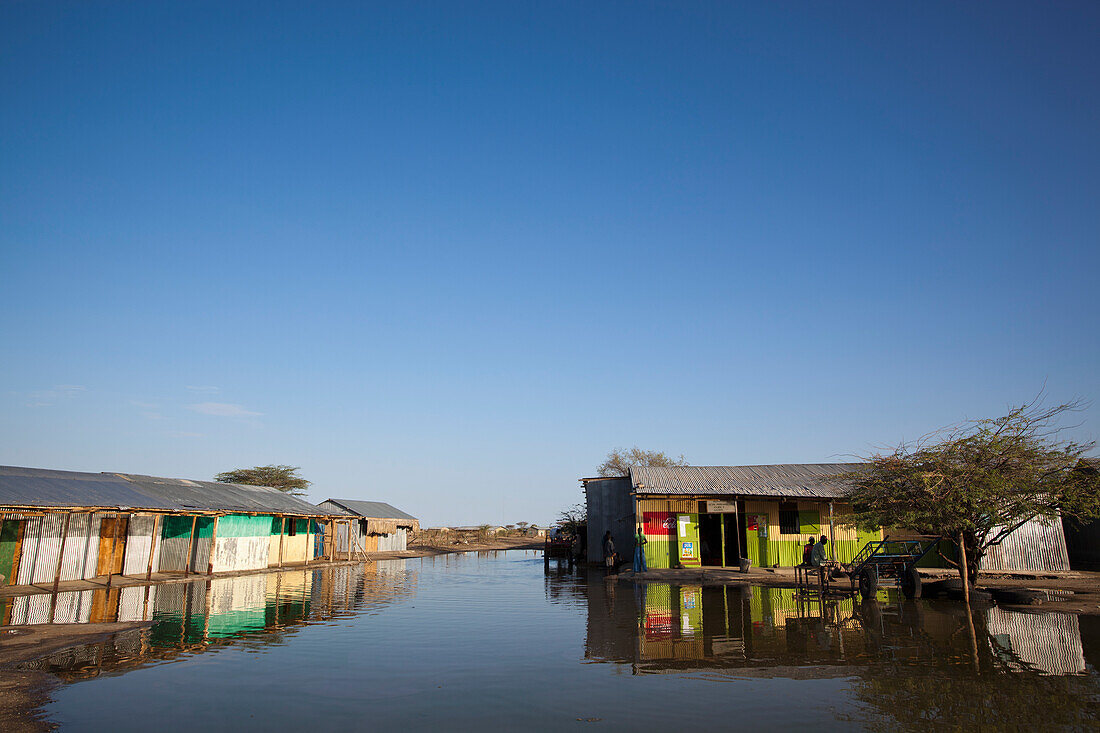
[177, 619]
[754, 631]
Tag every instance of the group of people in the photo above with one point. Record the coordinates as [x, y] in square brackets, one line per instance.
[611, 558]
[813, 553]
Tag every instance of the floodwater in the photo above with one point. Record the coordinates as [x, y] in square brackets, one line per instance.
[492, 640]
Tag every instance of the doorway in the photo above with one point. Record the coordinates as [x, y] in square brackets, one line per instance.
[734, 531]
[710, 539]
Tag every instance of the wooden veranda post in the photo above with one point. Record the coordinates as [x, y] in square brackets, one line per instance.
[213, 542]
[114, 542]
[832, 541]
[60, 555]
[737, 529]
[190, 547]
[152, 547]
[282, 536]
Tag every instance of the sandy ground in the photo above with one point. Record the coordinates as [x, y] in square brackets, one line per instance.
[1077, 591]
[492, 543]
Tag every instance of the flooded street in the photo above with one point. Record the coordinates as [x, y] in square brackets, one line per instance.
[490, 639]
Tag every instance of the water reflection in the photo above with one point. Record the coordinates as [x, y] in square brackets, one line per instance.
[188, 618]
[912, 664]
[773, 631]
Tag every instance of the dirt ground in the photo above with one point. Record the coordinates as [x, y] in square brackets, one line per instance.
[22, 691]
[441, 548]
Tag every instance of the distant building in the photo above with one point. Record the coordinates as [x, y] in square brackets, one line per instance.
[381, 527]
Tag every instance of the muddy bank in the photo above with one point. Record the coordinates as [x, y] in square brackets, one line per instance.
[1073, 592]
[23, 691]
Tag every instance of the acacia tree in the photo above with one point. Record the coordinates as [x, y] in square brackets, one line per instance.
[620, 460]
[572, 519]
[283, 478]
[977, 482]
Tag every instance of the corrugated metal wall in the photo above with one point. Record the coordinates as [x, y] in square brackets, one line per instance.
[138, 541]
[243, 543]
[393, 542]
[1036, 545]
[610, 507]
[42, 540]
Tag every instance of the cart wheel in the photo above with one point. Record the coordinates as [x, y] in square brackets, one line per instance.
[868, 582]
[910, 582]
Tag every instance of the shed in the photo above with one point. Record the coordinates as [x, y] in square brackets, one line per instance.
[381, 527]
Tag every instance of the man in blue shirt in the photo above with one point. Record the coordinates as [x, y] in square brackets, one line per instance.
[818, 557]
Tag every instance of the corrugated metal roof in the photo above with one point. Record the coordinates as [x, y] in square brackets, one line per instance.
[40, 487]
[371, 509]
[37, 487]
[808, 480]
[217, 497]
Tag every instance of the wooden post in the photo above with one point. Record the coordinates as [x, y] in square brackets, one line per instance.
[20, 534]
[114, 541]
[190, 547]
[332, 540]
[832, 542]
[964, 570]
[213, 542]
[60, 556]
[282, 536]
[309, 540]
[152, 547]
[721, 533]
[737, 530]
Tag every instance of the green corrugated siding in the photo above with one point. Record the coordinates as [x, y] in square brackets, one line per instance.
[657, 553]
[243, 525]
[173, 527]
[299, 525]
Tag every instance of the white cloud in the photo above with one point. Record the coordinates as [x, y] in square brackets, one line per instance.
[222, 409]
[60, 393]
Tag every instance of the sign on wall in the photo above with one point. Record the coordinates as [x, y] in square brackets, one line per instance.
[721, 507]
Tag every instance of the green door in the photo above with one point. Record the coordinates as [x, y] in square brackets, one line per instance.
[756, 539]
[687, 539]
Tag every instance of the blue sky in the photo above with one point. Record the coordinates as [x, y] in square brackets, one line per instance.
[447, 255]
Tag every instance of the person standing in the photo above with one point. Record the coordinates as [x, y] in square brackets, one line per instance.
[609, 551]
[639, 551]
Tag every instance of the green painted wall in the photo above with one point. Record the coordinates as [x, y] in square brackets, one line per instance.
[9, 534]
[242, 525]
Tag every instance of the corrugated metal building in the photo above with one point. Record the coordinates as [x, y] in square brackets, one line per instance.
[67, 525]
[380, 527]
[695, 516]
